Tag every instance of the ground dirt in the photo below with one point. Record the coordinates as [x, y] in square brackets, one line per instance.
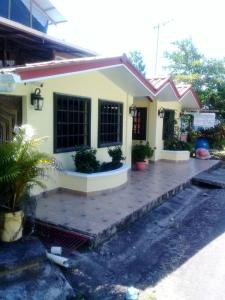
[175, 252]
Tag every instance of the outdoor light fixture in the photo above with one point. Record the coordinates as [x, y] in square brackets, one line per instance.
[37, 100]
[133, 111]
[181, 114]
[161, 113]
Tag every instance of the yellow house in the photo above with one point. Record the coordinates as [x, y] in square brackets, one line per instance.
[153, 121]
[86, 102]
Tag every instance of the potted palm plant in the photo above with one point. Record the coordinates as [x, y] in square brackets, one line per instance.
[21, 167]
[140, 152]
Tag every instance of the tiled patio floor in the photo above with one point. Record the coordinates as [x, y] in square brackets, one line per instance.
[95, 215]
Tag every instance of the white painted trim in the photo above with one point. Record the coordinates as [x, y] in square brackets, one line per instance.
[123, 169]
[175, 155]
[186, 94]
[166, 87]
[138, 80]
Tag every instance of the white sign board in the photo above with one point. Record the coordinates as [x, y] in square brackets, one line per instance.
[204, 120]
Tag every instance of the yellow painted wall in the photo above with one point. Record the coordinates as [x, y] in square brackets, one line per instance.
[155, 123]
[176, 106]
[93, 85]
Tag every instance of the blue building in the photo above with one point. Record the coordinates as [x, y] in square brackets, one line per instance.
[23, 33]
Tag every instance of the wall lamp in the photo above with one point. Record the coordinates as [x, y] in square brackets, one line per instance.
[161, 112]
[37, 100]
[181, 114]
[133, 111]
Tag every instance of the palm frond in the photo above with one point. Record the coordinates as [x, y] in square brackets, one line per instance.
[22, 166]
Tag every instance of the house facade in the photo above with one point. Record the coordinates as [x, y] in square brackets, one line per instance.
[86, 102]
[156, 118]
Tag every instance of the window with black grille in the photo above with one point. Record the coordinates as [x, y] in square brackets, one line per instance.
[139, 124]
[110, 124]
[168, 124]
[71, 122]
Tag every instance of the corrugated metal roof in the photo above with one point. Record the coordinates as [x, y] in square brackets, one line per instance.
[13, 28]
[182, 89]
[158, 82]
[125, 71]
[33, 71]
[51, 12]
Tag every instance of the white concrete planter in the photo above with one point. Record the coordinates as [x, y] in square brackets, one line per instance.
[12, 226]
[95, 182]
[175, 155]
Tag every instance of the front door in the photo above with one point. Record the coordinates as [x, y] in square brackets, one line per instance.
[10, 115]
[139, 124]
[168, 124]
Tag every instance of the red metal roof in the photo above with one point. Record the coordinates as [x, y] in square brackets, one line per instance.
[70, 66]
[160, 82]
[61, 67]
[180, 90]
[185, 88]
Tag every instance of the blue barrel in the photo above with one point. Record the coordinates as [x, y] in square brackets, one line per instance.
[202, 143]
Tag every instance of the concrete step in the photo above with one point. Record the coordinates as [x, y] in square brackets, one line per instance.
[213, 178]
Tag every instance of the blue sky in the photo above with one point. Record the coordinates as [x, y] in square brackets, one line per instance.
[118, 26]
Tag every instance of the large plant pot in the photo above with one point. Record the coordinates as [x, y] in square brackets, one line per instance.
[11, 227]
[140, 165]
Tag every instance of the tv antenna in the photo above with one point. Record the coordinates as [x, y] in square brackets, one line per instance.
[157, 28]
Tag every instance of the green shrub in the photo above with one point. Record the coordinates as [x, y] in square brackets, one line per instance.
[85, 161]
[215, 136]
[141, 151]
[116, 154]
[177, 145]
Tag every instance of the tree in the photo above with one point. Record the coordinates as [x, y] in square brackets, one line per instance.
[185, 63]
[207, 76]
[137, 60]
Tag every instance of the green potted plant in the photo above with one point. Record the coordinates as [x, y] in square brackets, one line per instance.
[21, 167]
[140, 152]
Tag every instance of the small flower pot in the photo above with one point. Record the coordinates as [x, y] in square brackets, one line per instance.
[11, 227]
[140, 165]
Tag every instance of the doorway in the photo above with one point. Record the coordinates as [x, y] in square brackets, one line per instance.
[168, 124]
[10, 115]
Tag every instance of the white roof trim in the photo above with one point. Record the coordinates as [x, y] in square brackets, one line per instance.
[186, 94]
[164, 87]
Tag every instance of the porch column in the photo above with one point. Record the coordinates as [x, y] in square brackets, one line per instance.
[128, 133]
[155, 125]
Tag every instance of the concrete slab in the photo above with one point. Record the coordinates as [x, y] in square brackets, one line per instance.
[101, 216]
[214, 178]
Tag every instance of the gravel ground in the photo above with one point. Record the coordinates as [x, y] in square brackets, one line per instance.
[174, 252]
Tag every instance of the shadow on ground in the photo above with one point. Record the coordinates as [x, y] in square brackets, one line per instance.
[153, 247]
